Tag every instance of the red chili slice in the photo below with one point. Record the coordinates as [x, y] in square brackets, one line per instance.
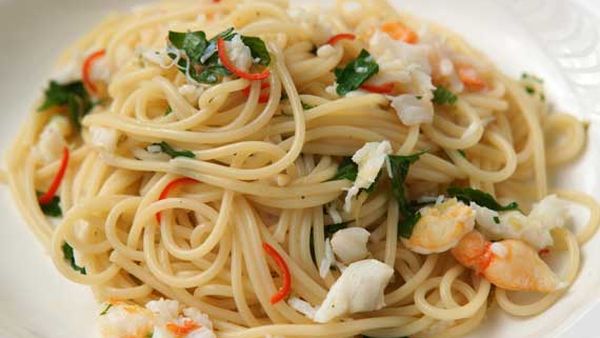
[49, 195]
[264, 97]
[344, 36]
[222, 50]
[172, 185]
[286, 288]
[87, 70]
[386, 88]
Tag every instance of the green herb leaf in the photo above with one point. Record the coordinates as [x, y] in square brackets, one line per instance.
[201, 61]
[105, 311]
[70, 257]
[307, 106]
[212, 74]
[483, 199]
[51, 209]
[210, 56]
[441, 96]
[462, 153]
[333, 228]
[167, 149]
[347, 170]
[192, 43]
[258, 49]
[355, 73]
[169, 110]
[496, 219]
[530, 90]
[526, 76]
[399, 166]
[71, 95]
[406, 226]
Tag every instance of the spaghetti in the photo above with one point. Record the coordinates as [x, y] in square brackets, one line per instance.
[193, 168]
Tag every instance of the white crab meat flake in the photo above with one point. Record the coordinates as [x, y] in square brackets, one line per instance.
[350, 245]
[535, 228]
[359, 289]
[370, 159]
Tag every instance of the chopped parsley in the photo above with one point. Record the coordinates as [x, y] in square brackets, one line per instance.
[70, 257]
[530, 90]
[527, 76]
[51, 209]
[355, 73]
[169, 110]
[442, 96]
[193, 44]
[307, 106]
[410, 215]
[462, 153]
[167, 149]
[258, 49]
[496, 219]
[199, 58]
[347, 170]
[105, 311]
[72, 95]
[333, 228]
[481, 198]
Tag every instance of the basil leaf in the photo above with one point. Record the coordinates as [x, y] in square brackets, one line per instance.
[347, 170]
[483, 199]
[526, 76]
[212, 74]
[333, 228]
[406, 226]
[71, 95]
[70, 257]
[201, 62]
[399, 167]
[356, 73]
[307, 106]
[51, 209]
[192, 43]
[167, 149]
[211, 48]
[530, 90]
[441, 96]
[258, 49]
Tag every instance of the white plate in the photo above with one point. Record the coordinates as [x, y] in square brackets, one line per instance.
[556, 39]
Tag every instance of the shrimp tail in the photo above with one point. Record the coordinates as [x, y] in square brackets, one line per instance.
[509, 264]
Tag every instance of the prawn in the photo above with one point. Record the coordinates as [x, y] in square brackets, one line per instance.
[509, 264]
[441, 227]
